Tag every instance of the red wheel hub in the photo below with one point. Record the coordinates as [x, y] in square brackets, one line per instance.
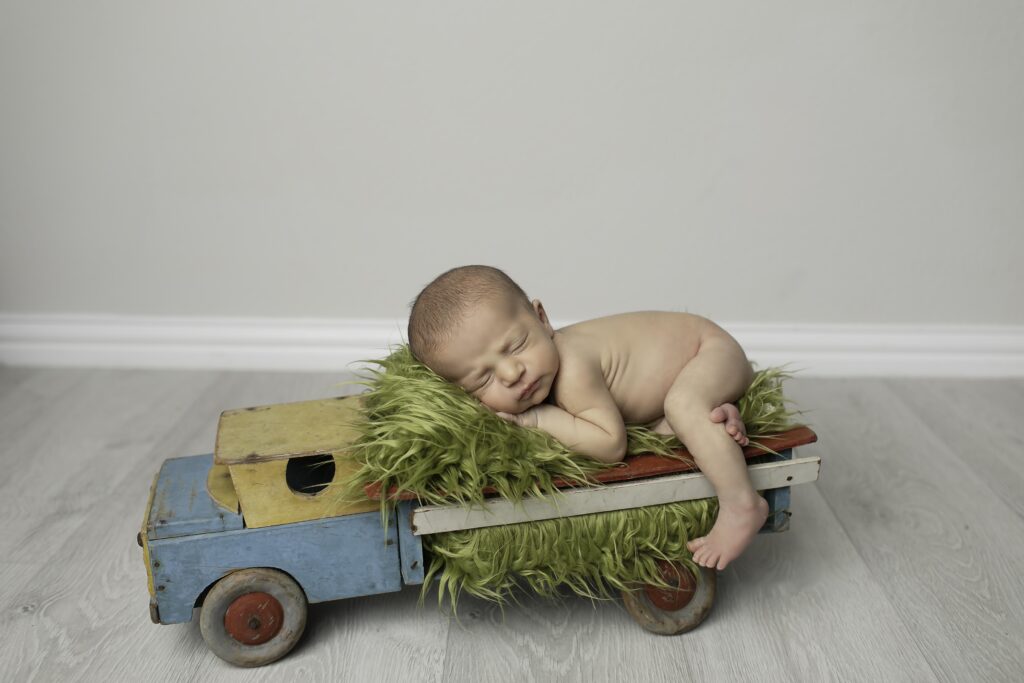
[681, 590]
[254, 618]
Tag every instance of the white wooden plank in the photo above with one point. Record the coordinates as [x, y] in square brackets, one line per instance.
[433, 519]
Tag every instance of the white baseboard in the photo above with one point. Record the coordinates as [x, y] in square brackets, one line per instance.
[815, 350]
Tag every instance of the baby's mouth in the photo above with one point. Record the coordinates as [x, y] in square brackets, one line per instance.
[530, 389]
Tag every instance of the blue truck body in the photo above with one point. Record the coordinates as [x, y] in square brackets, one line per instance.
[192, 542]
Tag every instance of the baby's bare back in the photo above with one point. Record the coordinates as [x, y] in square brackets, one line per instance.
[640, 354]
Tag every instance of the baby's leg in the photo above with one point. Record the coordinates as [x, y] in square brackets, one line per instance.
[717, 374]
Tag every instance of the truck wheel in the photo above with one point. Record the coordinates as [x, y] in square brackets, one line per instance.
[253, 617]
[675, 610]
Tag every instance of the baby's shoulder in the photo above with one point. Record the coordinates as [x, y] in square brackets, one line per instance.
[581, 373]
[578, 348]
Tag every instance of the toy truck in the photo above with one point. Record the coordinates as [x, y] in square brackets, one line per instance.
[250, 534]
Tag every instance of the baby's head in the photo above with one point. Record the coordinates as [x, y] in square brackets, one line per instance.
[475, 327]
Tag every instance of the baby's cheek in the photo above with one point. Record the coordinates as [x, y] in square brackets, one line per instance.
[486, 404]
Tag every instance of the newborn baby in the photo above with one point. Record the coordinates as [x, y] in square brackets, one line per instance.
[583, 383]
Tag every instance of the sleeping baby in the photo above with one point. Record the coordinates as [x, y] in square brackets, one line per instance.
[675, 372]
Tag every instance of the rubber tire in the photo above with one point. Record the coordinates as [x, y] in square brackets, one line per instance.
[225, 591]
[666, 623]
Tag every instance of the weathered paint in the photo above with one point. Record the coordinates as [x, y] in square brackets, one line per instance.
[221, 488]
[682, 588]
[257, 443]
[143, 539]
[254, 618]
[286, 430]
[410, 547]
[266, 500]
[331, 559]
[181, 505]
[778, 498]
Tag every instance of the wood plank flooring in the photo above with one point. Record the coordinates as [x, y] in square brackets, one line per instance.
[905, 561]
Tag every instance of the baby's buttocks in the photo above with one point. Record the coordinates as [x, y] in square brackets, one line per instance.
[640, 354]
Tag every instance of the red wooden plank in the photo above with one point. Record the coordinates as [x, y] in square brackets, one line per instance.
[648, 465]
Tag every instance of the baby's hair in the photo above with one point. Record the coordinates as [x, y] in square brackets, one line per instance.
[441, 306]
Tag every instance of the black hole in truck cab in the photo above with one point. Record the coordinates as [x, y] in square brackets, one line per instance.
[310, 474]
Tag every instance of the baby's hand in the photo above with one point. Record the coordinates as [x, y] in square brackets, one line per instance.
[524, 419]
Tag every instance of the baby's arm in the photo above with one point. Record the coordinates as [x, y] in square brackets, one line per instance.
[590, 423]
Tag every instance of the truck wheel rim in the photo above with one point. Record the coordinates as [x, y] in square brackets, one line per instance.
[681, 592]
[254, 618]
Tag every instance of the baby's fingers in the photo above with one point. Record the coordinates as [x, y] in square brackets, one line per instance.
[508, 416]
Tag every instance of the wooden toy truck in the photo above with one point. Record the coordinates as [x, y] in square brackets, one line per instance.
[248, 535]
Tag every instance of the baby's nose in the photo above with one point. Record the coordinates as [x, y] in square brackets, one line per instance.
[511, 372]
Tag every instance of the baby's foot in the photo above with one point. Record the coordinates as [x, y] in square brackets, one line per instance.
[735, 528]
[730, 415]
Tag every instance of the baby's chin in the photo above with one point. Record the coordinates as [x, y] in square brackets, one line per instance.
[540, 396]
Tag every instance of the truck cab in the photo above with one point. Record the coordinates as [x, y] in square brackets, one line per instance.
[264, 505]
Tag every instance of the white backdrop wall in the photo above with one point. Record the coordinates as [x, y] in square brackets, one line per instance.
[788, 162]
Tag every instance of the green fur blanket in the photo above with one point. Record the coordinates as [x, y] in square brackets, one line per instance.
[421, 434]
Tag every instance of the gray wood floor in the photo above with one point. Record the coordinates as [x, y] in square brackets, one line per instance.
[904, 562]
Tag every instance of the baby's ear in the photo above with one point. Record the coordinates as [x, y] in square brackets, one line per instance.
[538, 308]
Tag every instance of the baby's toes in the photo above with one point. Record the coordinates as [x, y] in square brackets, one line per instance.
[712, 560]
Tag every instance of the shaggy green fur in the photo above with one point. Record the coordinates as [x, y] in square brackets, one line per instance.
[592, 555]
[422, 434]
